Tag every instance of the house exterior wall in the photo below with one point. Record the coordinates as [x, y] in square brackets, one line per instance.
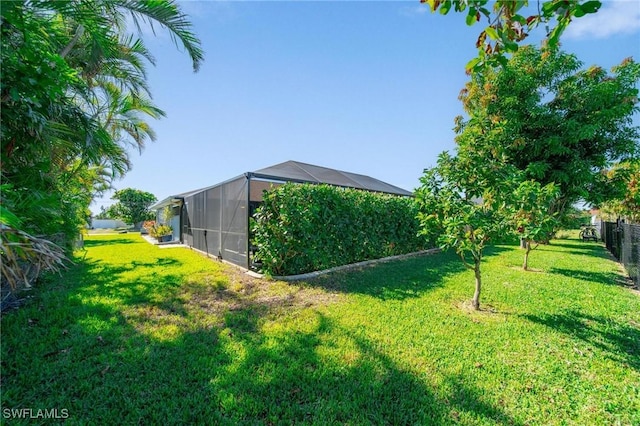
[174, 222]
[107, 224]
[258, 187]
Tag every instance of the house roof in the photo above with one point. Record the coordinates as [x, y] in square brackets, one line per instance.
[173, 199]
[296, 171]
[302, 172]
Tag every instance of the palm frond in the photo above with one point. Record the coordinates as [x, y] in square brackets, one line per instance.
[168, 14]
[24, 256]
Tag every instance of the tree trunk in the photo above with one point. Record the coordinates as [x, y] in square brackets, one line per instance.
[525, 264]
[523, 243]
[73, 42]
[476, 295]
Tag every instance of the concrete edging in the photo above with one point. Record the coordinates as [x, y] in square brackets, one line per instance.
[315, 274]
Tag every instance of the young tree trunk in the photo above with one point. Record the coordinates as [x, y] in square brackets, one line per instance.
[525, 264]
[476, 295]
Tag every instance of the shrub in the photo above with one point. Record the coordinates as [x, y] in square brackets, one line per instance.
[158, 231]
[163, 230]
[303, 228]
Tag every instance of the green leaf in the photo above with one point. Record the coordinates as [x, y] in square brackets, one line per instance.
[472, 64]
[551, 6]
[15, 95]
[554, 37]
[520, 19]
[591, 6]
[579, 12]
[502, 60]
[471, 16]
[492, 33]
[9, 219]
[510, 46]
[301, 228]
[460, 6]
[446, 6]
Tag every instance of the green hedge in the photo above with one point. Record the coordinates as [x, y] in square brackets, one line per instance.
[302, 228]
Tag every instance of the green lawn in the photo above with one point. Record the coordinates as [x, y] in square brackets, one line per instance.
[134, 334]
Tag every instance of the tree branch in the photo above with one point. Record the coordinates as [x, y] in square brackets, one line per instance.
[73, 42]
[464, 261]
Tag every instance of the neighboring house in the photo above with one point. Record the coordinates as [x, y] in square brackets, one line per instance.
[215, 220]
[107, 224]
[596, 220]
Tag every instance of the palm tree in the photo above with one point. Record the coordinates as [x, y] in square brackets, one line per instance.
[74, 96]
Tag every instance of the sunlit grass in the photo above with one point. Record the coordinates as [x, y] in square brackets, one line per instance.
[137, 334]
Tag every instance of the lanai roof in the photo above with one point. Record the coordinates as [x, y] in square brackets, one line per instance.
[302, 172]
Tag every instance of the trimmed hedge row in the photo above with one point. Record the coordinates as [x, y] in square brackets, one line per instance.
[303, 227]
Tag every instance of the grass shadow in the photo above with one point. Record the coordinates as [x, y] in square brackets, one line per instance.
[134, 284]
[394, 280]
[105, 242]
[398, 279]
[620, 342]
[121, 344]
[496, 250]
[580, 248]
[607, 278]
[287, 379]
[106, 366]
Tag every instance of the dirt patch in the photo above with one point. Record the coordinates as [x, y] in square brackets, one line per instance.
[532, 270]
[486, 312]
[241, 291]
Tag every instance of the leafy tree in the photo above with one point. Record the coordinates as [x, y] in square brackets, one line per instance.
[132, 206]
[531, 203]
[110, 212]
[624, 178]
[554, 121]
[462, 206]
[104, 213]
[508, 26]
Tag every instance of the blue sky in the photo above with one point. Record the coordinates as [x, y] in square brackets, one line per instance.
[365, 87]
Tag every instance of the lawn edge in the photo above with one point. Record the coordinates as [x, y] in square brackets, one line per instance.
[314, 274]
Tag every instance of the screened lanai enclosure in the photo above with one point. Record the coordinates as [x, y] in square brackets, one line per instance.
[215, 220]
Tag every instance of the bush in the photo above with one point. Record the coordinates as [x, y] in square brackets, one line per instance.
[163, 230]
[303, 228]
[158, 231]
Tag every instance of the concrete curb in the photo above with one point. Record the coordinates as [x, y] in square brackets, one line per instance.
[167, 244]
[315, 274]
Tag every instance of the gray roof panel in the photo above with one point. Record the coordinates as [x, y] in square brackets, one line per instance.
[302, 172]
[293, 170]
